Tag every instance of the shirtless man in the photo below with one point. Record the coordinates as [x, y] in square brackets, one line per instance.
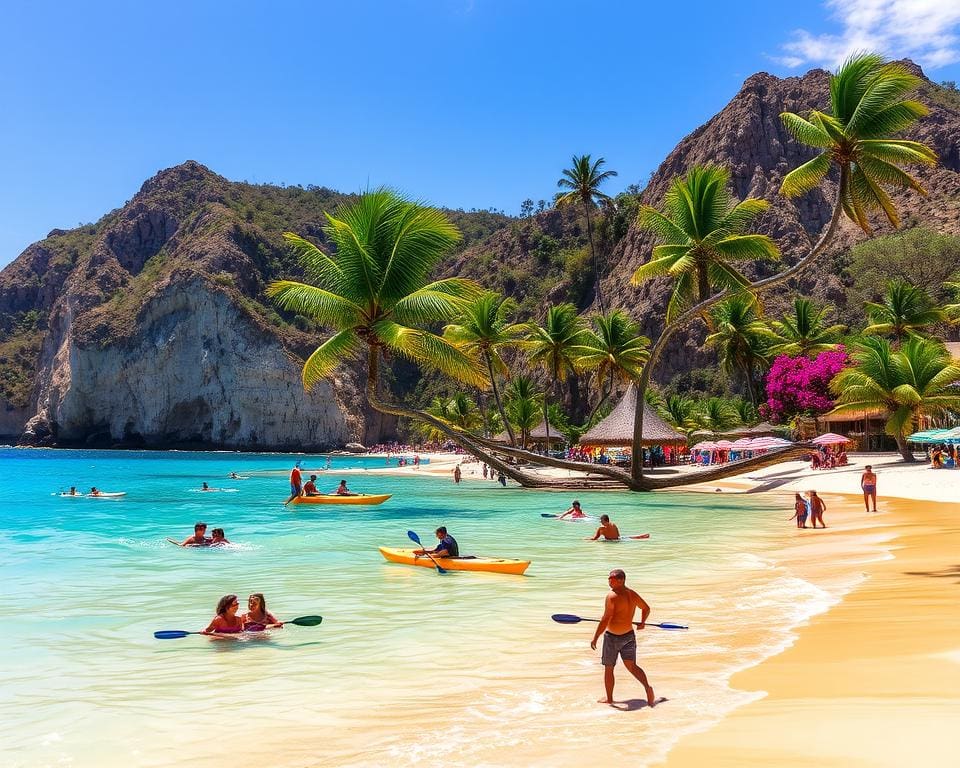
[619, 638]
[868, 482]
[574, 512]
[310, 487]
[199, 538]
[607, 530]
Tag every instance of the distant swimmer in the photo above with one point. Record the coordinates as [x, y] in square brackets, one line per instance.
[234, 476]
[226, 621]
[219, 538]
[257, 613]
[208, 488]
[199, 538]
[310, 487]
[574, 512]
[342, 490]
[94, 491]
[446, 546]
[619, 639]
[73, 490]
[607, 530]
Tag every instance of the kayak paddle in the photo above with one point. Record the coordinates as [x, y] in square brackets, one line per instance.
[566, 618]
[413, 537]
[173, 634]
[545, 514]
[622, 538]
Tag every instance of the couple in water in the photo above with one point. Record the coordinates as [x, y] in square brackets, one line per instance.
[257, 617]
[607, 531]
[200, 538]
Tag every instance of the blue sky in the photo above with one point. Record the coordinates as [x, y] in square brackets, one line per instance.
[465, 103]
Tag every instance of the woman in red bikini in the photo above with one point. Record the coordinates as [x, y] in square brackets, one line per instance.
[226, 621]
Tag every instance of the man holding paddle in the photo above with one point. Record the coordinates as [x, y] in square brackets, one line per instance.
[619, 639]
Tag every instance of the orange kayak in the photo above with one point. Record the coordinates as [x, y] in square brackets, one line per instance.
[490, 564]
[333, 498]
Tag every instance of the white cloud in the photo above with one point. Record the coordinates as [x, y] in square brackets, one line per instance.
[927, 31]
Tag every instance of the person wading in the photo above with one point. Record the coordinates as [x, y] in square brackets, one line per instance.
[619, 639]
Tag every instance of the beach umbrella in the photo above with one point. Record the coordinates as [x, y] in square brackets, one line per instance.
[743, 442]
[933, 435]
[830, 438]
[724, 444]
[765, 443]
[706, 445]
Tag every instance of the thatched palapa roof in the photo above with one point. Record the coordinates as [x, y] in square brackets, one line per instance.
[762, 429]
[537, 434]
[617, 428]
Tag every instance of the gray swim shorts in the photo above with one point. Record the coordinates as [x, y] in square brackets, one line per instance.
[624, 646]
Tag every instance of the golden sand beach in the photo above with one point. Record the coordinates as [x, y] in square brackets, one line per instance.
[874, 681]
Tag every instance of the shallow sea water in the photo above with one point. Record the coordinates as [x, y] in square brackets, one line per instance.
[406, 661]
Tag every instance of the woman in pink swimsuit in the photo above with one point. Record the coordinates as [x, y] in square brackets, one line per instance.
[226, 621]
[257, 613]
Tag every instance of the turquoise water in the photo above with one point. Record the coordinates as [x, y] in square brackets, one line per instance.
[404, 657]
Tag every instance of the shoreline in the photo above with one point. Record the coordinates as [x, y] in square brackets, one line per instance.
[884, 659]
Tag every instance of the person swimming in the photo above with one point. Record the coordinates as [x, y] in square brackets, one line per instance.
[607, 530]
[219, 538]
[226, 621]
[574, 513]
[199, 538]
[257, 613]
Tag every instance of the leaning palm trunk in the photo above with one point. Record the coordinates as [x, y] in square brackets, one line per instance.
[459, 436]
[593, 254]
[694, 312]
[905, 453]
[496, 396]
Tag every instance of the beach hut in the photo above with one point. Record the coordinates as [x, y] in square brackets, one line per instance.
[616, 431]
[537, 438]
[763, 429]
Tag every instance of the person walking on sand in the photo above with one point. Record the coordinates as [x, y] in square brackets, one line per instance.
[868, 482]
[817, 508]
[800, 510]
[619, 639]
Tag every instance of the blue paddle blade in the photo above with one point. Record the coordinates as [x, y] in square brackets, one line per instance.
[413, 536]
[668, 625]
[171, 634]
[566, 618]
[545, 514]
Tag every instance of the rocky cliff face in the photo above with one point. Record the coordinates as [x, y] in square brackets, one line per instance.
[150, 326]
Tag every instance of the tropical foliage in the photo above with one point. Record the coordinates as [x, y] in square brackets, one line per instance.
[807, 331]
[905, 310]
[614, 350]
[798, 385]
[701, 233]
[581, 182]
[741, 338]
[867, 109]
[375, 292]
[918, 379]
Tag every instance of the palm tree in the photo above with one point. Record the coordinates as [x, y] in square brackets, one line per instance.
[868, 110]
[716, 414]
[806, 331]
[919, 378]
[524, 406]
[679, 411]
[554, 346]
[463, 412]
[905, 310]
[614, 350]
[374, 293]
[483, 328]
[582, 182]
[742, 339]
[701, 231]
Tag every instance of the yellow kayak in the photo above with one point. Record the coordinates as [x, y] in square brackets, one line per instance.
[333, 498]
[491, 564]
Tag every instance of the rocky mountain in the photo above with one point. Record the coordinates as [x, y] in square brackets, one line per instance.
[150, 326]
